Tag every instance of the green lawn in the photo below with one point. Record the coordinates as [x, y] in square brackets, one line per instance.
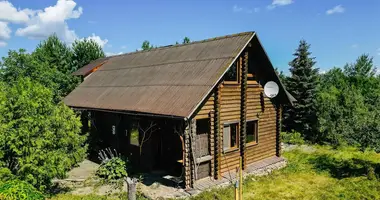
[321, 174]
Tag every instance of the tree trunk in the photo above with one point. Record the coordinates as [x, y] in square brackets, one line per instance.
[132, 184]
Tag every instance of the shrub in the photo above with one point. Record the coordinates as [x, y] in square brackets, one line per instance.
[113, 169]
[19, 190]
[292, 138]
[39, 140]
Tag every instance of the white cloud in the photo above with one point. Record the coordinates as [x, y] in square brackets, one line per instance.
[3, 44]
[97, 39]
[378, 51]
[335, 10]
[52, 20]
[241, 9]
[113, 54]
[5, 31]
[10, 14]
[91, 22]
[237, 8]
[123, 47]
[354, 46]
[276, 3]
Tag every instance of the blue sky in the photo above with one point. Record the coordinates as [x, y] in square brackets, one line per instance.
[338, 30]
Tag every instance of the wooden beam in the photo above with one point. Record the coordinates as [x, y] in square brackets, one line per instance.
[186, 162]
[243, 106]
[278, 130]
[217, 134]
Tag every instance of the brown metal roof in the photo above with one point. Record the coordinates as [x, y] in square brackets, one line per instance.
[165, 81]
[84, 71]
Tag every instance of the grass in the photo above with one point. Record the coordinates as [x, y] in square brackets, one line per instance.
[323, 174]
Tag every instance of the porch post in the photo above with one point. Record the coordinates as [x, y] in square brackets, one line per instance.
[212, 143]
[193, 151]
[243, 106]
[186, 161]
[217, 137]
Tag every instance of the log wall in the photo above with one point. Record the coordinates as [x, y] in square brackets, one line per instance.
[226, 105]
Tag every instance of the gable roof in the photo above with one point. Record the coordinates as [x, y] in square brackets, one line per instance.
[169, 81]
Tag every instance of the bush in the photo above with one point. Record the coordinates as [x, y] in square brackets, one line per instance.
[39, 140]
[19, 190]
[113, 169]
[292, 138]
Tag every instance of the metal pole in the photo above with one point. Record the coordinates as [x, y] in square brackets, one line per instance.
[241, 178]
[237, 185]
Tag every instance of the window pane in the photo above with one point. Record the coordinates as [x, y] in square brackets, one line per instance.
[251, 73]
[226, 137]
[231, 74]
[203, 126]
[251, 131]
[233, 135]
[134, 136]
[202, 141]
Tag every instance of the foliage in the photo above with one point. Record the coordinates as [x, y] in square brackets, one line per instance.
[59, 57]
[302, 84]
[6, 174]
[304, 179]
[51, 64]
[292, 137]
[38, 140]
[85, 51]
[186, 40]
[113, 169]
[19, 64]
[95, 197]
[146, 45]
[19, 190]
[349, 105]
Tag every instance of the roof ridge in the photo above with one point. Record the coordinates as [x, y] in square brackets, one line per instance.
[180, 45]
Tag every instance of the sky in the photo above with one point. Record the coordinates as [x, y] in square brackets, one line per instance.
[338, 30]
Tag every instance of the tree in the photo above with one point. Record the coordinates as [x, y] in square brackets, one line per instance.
[19, 64]
[56, 53]
[186, 40]
[302, 84]
[39, 140]
[146, 45]
[348, 105]
[85, 51]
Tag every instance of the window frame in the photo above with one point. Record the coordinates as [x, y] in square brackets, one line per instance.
[237, 146]
[237, 61]
[253, 75]
[256, 133]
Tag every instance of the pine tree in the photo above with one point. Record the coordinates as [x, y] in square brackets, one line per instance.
[302, 84]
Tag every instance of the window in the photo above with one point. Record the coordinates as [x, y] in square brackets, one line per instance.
[251, 75]
[203, 126]
[230, 136]
[202, 144]
[252, 132]
[134, 134]
[232, 74]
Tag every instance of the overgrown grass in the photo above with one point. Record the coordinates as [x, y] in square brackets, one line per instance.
[94, 197]
[322, 173]
[325, 173]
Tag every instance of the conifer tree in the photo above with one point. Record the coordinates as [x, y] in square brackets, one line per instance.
[302, 84]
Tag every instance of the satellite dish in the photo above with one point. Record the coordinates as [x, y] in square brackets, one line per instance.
[271, 89]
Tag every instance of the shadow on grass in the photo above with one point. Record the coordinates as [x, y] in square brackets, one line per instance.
[57, 189]
[345, 167]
